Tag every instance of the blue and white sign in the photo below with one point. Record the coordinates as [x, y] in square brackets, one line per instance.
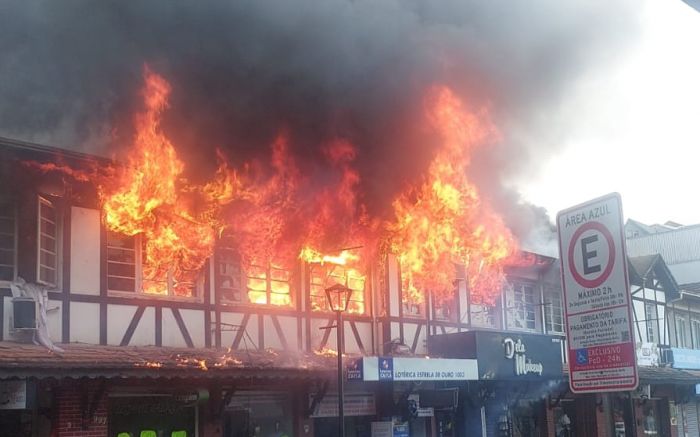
[354, 370]
[686, 358]
[386, 369]
[413, 369]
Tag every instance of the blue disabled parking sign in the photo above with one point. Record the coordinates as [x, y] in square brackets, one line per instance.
[582, 356]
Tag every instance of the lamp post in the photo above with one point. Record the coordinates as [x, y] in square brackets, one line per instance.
[338, 298]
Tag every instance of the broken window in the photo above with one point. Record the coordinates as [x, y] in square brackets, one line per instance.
[326, 275]
[269, 284]
[127, 271]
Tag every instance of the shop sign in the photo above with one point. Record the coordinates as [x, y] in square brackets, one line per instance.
[354, 404]
[597, 301]
[412, 369]
[354, 370]
[13, 395]
[648, 354]
[515, 350]
[686, 358]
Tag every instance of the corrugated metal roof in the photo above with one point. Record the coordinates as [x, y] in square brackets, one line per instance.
[677, 246]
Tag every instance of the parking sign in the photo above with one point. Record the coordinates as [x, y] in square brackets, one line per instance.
[597, 301]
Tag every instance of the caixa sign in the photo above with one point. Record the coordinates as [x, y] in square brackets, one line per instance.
[522, 365]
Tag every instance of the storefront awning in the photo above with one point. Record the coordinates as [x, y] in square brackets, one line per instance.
[78, 360]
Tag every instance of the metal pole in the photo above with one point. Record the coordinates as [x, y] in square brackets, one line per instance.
[341, 415]
[633, 423]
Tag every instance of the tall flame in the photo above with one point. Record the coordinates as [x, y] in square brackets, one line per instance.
[444, 221]
[179, 223]
[280, 214]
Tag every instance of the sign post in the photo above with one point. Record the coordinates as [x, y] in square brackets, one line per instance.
[597, 302]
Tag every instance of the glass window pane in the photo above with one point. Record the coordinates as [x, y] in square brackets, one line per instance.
[7, 273]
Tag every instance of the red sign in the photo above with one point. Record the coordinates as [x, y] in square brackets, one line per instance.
[597, 301]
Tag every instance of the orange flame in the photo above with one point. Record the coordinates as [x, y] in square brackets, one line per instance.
[282, 214]
[151, 198]
[444, 221]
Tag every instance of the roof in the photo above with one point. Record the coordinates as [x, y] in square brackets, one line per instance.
[676, 245]
[641, 267]
[32, 147]
[81, 360]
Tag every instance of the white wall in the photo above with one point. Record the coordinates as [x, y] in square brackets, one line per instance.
[85, 251]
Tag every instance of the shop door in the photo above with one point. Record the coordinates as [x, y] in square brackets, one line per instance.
[691, 417]
[238, 424]
[150, 417]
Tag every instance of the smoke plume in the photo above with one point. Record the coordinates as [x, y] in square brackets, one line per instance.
[357, 70]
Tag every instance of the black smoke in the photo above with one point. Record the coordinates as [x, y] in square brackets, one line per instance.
[70, 73]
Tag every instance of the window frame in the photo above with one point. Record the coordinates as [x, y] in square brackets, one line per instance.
[325, 308]
[268, 286]
[695, 333]
[137, 263]
[490, 311]
[197, 295]
[681, 333]
[11, 204]
[649, 321]
[58, 225]
[244, 277]
[527, 307]
[549, 309]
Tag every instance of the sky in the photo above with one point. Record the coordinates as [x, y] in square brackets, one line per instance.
[637, 129]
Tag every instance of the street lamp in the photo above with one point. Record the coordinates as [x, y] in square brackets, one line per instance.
[338, 298]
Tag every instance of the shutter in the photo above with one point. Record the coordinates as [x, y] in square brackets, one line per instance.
[691, 414]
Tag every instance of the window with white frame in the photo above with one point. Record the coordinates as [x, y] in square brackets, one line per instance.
[229, 275]
[269, 284]
[122, 274]
[650, 321]
[48, 242]
[326, 275]
[523, 306]
[681, 338]
[8, 240]
[127, 271]
[256, 283]
[553, 310]
[695, 333]
[482, 315]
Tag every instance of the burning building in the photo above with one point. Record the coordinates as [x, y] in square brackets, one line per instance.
[204, 301]
[272, 151]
